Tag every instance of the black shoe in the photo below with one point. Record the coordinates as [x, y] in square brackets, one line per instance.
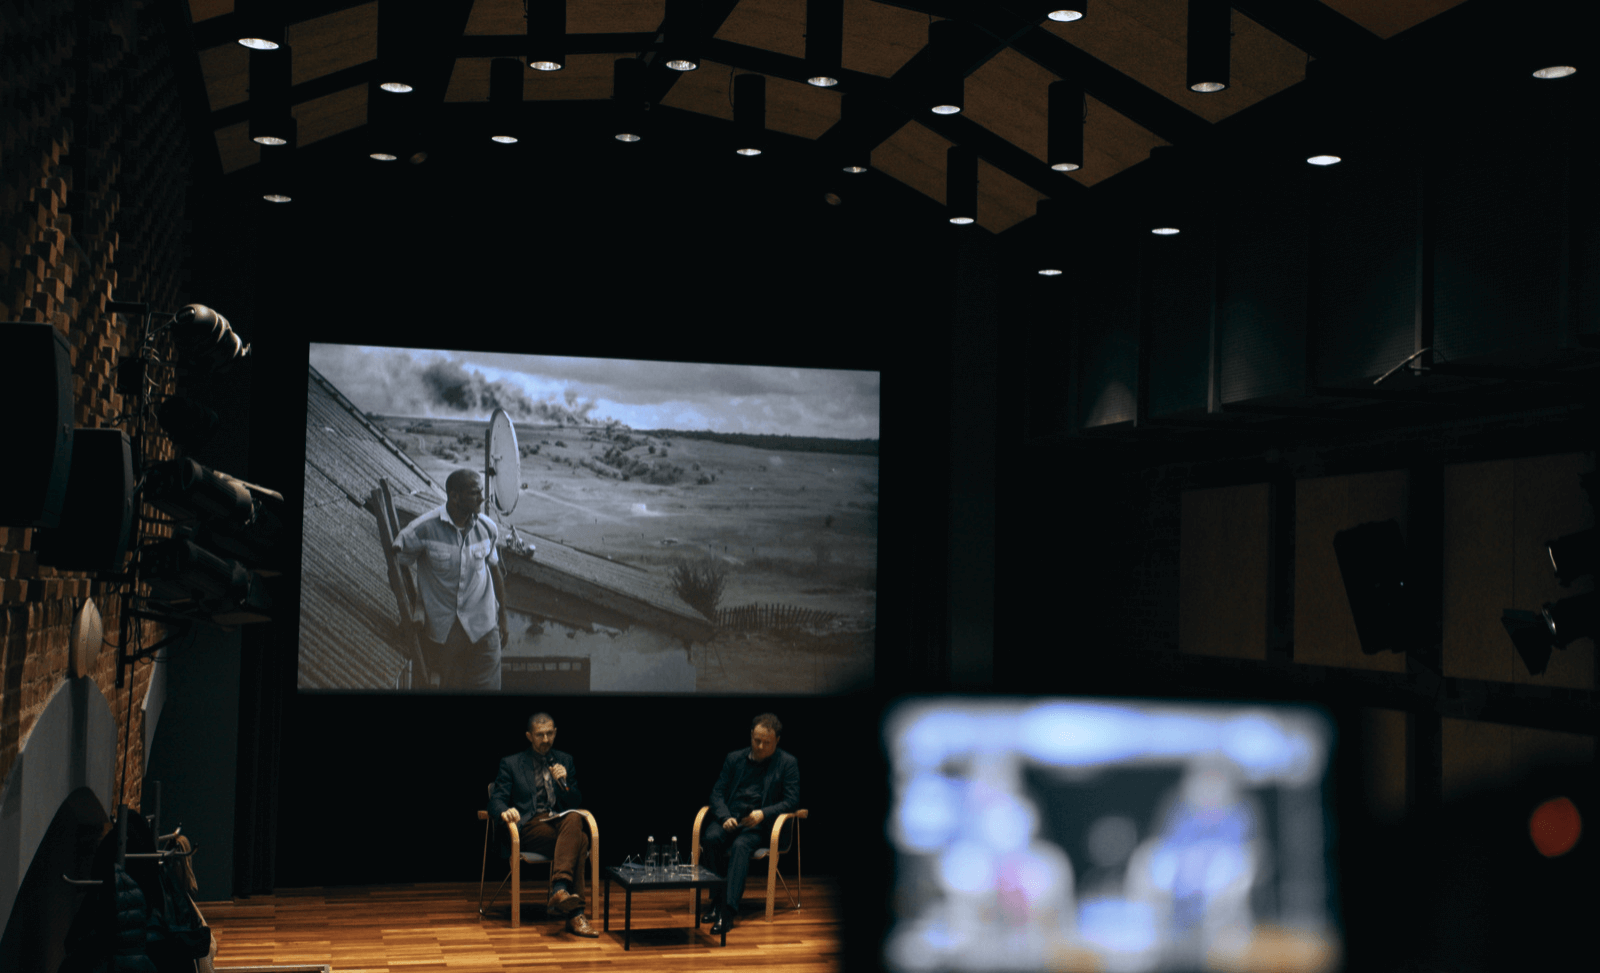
[722, 925]
[709, 915]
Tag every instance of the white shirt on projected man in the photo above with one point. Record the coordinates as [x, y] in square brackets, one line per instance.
[453, 571]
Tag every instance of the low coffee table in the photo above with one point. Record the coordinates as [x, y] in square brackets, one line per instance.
[638, 878]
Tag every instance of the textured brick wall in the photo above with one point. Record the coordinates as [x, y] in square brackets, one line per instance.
[93, 176]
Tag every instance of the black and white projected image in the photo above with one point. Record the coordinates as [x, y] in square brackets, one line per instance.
[1128, 837]
[664, 527]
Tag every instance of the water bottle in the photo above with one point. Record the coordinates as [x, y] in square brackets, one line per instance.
[676, 861]
[651, 858]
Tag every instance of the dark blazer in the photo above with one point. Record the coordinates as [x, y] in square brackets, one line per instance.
[515, 784]
[780, 787]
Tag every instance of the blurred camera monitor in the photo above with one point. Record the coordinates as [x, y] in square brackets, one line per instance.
[1111, 835]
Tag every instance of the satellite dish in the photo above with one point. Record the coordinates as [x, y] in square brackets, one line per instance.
[502, 474]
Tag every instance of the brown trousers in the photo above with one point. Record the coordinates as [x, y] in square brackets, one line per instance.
[565, 840]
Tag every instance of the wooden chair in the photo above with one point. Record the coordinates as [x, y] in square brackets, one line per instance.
[785, 834]
[519, 857]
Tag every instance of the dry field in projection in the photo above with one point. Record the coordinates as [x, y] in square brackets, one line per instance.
[791, 528]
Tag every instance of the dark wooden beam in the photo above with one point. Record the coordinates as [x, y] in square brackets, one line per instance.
[1313, 27]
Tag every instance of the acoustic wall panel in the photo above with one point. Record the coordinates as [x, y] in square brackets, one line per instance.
[1363, 285]
[1261, 326]
[1479, 756]
[1324, 630]
[1177, 308]
[1224, 571]
[1497, 244]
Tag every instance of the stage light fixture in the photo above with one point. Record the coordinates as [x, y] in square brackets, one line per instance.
[681, 46]
[961, 185]
[1163, 206]
[947, 83]
[278, 168]
[270, 116]
[259, 25]
[192, 582]
[1210, 38]
[824, 41]
[505, 100]
[1066, 109]
[205, 339]
[1574, 555]
[1066, 11]
[750, 113]
[547, 34]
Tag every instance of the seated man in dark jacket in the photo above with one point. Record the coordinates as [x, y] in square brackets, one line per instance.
[757, 784]
[533, 789]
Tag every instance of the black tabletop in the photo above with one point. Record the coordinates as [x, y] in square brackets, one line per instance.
[641, 877]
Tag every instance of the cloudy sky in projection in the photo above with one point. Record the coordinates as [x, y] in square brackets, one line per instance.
[639, 394]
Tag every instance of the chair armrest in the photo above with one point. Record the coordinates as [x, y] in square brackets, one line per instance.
[694, 836]
[483, 815]
[777, 828]
[516, 842]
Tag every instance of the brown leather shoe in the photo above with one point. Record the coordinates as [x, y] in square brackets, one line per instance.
[563, 903]
[579, 926]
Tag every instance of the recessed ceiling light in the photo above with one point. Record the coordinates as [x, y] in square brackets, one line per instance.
[1049, 272]
[1555, 71]
[682, 65]
[822, 81]
[748, 151]
[945, 109]
[855, 169]
[1066, 167]
[258, 43]
[961, 220]
[627, 137]
[1324, 160]
[270, 140]
[383, 156]
[276, 198]
[504, 139]
[544, 66]
[1206, 87]
[1065, 16]
[1165, 231]
[398, 87]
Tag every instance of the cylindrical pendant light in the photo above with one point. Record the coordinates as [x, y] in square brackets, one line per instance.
[270, 118]
[947, 80]
[547, 34]
[1051, 251]
[961, 185]
[854, 157]
[1066, 110]
[505, 100]
[628, 107]
[278, 170]
[750, 113]
[824, 41]
[681, 47]
[259, 24]
[1210, 38]
[396, 65]
[1163, 202]
[1066, 11]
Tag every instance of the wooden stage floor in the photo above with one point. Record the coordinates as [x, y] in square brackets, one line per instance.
[411, 928]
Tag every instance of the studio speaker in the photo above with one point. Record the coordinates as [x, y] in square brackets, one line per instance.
[36, 399]
[1378, 581]
[98, 513]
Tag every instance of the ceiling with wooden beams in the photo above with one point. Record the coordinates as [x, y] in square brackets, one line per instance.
[1129, 55]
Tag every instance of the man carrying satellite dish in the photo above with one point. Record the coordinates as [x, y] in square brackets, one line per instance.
[461, 586]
